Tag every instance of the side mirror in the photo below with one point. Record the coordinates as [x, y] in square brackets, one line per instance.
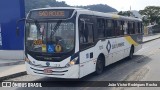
[17, 28]
[17, 31]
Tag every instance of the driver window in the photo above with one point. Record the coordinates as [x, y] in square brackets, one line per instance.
[85, 34]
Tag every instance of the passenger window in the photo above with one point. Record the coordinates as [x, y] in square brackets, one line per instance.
[125, 27]
[117, 28]
[109, 28]
[122, 28]
[139, 27]
[101, 26]
[136, 28]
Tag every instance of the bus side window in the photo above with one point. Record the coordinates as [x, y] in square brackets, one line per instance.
[139, 27]
[86, 33]
[90, 33]
[108, 28]
[132, 28]
[122, 28]
[81, 33]
[129, 28]
[125, 27]
[117, 28]
[136, 27]
[101, 26]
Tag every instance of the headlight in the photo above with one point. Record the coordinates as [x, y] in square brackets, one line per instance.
[72, 62]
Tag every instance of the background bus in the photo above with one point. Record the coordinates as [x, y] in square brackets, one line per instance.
[72, 43]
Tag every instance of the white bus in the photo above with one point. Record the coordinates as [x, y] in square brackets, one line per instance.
[72, 43]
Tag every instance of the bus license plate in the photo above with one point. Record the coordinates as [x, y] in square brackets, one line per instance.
[48, 71]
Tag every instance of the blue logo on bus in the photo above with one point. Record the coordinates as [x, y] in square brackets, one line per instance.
[50, 48]
[109, 46]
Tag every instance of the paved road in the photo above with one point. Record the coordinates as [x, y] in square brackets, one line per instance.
[139, 68]
[2, 69]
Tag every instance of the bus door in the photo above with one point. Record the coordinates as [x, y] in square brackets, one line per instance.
[86, 40]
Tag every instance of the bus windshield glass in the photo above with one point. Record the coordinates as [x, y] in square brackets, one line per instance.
[56, 36]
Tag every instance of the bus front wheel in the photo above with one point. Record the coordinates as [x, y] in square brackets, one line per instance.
[99, 66]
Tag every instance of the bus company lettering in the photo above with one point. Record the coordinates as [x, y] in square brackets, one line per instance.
[117, 45]
[51, 13]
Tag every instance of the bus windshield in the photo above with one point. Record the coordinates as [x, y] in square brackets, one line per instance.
[50, 36]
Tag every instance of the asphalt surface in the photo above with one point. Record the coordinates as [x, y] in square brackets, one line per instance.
[141, 67]
[5, 68]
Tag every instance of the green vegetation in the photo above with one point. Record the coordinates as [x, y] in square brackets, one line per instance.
[99, 7]
[125, 13]
[151, 14]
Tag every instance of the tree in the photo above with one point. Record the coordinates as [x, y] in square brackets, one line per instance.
[152, 12]
[125, 13]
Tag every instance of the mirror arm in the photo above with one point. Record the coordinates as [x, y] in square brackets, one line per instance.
[17, 28]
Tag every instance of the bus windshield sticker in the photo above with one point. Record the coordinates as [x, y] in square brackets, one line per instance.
[50, 48]
[58, 48]
[38, 42]
[44, 48]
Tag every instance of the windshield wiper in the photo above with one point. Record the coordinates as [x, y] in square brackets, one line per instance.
[55, 28]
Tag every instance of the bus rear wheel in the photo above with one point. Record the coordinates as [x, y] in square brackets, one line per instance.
[131, 53]
[99, 66]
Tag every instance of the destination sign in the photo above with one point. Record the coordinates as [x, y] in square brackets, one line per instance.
[51, 14]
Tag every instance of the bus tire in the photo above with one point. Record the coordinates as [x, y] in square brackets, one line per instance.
[131, 53]
[99, 65]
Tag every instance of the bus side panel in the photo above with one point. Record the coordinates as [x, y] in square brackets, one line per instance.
[87, 64]
[113, 49]
[11, 11]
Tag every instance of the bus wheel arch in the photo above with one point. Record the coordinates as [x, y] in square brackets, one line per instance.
[100, 64]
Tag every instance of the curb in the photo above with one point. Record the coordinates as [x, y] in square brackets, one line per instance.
[12, 63]
[151, 40]
[13, 76]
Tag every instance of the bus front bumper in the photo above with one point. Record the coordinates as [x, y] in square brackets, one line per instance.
[71, 72]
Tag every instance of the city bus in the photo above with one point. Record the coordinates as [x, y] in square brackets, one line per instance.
[67, 42]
